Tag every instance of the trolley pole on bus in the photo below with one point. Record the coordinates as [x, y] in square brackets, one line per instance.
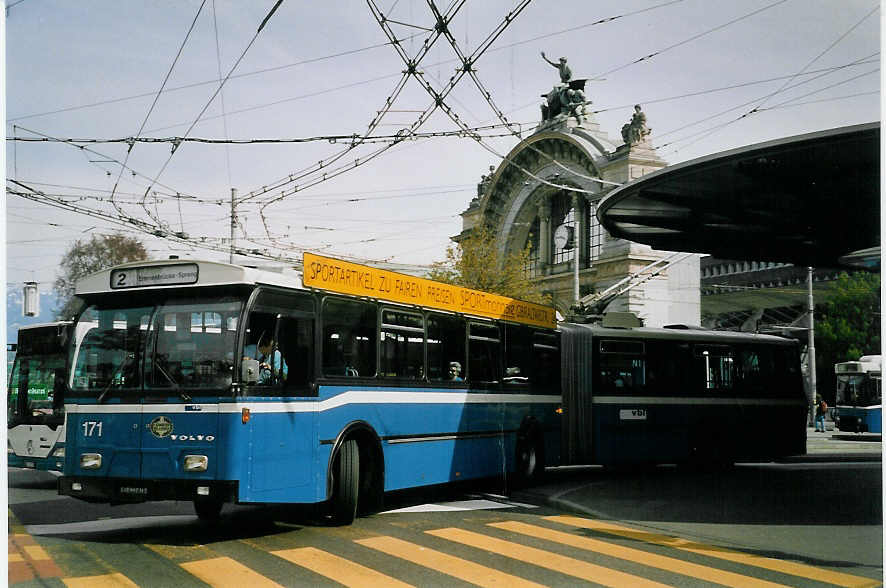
[810, 349]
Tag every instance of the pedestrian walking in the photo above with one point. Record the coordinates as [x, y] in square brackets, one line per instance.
[821, 409]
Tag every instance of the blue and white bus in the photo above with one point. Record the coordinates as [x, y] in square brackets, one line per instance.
[216, 383]
[859, 406]
[35, 397]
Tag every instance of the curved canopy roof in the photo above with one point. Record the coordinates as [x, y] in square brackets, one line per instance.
[809, 200]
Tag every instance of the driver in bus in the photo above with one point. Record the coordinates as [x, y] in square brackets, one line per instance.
[271, 365]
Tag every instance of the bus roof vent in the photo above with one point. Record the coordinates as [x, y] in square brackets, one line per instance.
[621, 320]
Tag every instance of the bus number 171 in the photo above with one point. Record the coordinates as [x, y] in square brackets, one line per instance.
[91, 428]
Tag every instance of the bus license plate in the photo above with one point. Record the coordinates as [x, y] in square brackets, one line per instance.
[30, 464]
[632, 414]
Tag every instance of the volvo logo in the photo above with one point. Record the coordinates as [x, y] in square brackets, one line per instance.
[160, 427]
[30, 447]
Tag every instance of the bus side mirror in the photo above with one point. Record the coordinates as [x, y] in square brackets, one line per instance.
[249, 371]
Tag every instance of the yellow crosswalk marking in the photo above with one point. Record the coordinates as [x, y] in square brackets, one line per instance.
[36, 552]
[105, 581]
[337, 568]
[646, 558]
[445, 563]
[776, 565]
[14, 557]
[226, 572]
[552, 561]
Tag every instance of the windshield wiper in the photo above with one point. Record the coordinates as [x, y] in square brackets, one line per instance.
[123, 365]
[175, 385]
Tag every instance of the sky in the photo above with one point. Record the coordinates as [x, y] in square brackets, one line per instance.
[281, 93]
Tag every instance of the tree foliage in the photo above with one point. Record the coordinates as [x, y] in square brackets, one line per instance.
[476, 263]
[847, 326]
[86, 257]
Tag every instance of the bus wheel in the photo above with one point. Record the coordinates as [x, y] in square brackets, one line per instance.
[208, 510]
[347, 484]
[530, 460]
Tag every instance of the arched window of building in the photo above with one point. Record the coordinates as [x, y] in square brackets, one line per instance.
[533, 267]
[563, 237]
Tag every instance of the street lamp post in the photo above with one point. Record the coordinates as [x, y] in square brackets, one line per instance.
[810, 348]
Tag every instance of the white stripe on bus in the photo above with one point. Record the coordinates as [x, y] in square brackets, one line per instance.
[661, 400]
[311, 405]
[388, 397]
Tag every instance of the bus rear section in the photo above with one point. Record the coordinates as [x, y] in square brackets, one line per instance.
[35, 398]
[680, 395]
[859, 406]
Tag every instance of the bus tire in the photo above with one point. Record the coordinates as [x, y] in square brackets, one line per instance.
[346, 488]
[208, 510]
[529, 465]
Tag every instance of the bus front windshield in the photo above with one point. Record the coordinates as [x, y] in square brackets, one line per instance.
[179, 345]
[858, 390]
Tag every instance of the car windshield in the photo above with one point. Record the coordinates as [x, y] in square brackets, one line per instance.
[178, 345]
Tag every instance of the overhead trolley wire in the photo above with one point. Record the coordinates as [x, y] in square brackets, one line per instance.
[786, 86]
[217, 90]
[154, 103]
[690, 39]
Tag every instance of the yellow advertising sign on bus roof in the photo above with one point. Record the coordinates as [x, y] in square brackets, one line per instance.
[360, 280]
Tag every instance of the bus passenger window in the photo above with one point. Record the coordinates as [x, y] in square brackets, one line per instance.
[446, 344]
[622, 366]
[484, 355]
[402, 345]
[349, 338]
[715, 365]
[546, 355]
[518, 356]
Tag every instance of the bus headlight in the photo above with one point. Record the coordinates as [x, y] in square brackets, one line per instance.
[60, 452]
[196, 463]
[90, 461]
[9, 448]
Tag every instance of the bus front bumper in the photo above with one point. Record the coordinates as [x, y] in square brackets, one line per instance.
[123, 490]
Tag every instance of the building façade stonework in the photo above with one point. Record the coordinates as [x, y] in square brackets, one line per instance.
[545, 194]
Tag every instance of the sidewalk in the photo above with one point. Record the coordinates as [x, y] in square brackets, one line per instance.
[839, 445]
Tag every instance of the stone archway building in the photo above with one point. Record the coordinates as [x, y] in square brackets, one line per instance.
[545, 193]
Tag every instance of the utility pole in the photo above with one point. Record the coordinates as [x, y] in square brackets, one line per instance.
[810, 347]
[233, 221]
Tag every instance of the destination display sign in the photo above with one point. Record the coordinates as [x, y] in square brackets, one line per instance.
[360, 280]
[160, 275]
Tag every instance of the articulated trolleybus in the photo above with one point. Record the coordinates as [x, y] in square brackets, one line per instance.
[35, 414]
[218, 383]
[859, 395]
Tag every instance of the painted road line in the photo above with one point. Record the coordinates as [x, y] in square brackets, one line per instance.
[337, 568]
[28, 560]
[456, 506]
[669, 564]
[444, 563]
[105, 581]
[224, 572]
[768, 563]
[545, 559]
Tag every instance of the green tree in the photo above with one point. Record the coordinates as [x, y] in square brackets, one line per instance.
[476, 263]
[86, 257]
[847, 326]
